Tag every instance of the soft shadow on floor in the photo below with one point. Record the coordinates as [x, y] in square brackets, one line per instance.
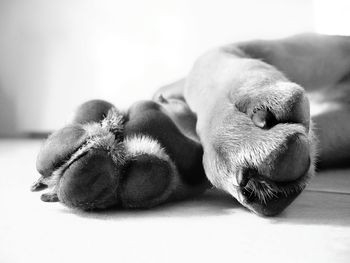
[212, 203]
[318, 208]
[311, 208]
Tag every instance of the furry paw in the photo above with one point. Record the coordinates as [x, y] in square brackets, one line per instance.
[81, 162]
[108, 159]
[262, 149]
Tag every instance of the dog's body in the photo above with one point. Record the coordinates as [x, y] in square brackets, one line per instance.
[243, 107]
[227, 85]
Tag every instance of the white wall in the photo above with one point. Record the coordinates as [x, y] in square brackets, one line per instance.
[332, 16]
[57, 54]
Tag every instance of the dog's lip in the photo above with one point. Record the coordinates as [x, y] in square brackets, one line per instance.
[271, 207]
[243, 177]
[245, 195]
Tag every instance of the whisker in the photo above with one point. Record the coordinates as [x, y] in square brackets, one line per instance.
[265, 190]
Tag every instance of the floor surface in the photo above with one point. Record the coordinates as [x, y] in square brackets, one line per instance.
[211, 228]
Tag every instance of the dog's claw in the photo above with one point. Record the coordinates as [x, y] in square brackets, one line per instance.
[38, 185]
[49, 197]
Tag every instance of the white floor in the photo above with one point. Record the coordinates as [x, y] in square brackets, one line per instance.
[212, 228]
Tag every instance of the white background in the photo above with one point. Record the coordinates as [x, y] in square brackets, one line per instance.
[55, 55]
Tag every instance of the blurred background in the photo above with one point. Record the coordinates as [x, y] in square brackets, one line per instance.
[55, 55]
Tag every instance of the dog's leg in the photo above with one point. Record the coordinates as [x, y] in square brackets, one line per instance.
[330, 111]
[333, 133]
[313, 61]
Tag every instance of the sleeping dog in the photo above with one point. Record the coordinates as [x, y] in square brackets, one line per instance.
[246, 120]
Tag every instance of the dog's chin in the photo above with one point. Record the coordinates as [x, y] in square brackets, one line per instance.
[272, 206]
[267, 198]
[263, 196]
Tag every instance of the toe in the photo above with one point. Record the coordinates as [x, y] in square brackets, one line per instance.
[146, 181]
[49, 197]
[59, 147]
[90, 182]
[92, 111]
[38, 185]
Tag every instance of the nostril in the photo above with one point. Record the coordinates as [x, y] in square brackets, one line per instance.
[290, 162]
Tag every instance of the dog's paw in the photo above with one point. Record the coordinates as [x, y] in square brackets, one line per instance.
[105, 158]
[150, 176]
[262, 148]
[81, 162]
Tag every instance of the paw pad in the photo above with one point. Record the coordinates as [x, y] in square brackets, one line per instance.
[94, 165]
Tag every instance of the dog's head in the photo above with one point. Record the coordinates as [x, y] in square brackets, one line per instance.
[264, 170]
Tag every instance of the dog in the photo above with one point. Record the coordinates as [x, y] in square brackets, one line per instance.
[254, 119]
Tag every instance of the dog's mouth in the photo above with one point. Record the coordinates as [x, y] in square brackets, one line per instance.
[266, 197]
